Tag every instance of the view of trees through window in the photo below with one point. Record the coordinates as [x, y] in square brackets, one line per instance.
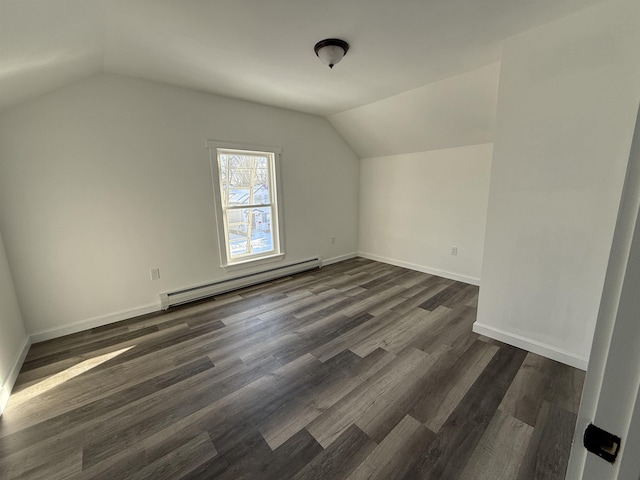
[247, 198]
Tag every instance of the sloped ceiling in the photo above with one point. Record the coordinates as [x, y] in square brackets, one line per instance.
[260, 50]
[455, 112]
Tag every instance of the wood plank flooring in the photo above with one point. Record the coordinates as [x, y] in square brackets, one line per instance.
[359, 370]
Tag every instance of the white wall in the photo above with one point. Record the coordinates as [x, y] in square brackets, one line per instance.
[424, 183]
[611, 395]
[14, 341]
[454, 112]
[566, 109]
[109, 177]
[415, 207]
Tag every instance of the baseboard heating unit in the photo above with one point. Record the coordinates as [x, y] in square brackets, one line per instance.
[178, 297]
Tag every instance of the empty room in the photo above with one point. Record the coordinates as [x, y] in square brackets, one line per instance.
[356, 239]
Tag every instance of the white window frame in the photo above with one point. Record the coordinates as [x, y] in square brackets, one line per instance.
[226, 261]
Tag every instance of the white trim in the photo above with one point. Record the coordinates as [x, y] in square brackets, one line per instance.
[422, 268]
[94, 322]
[7, 386]
[340, 258]
[533, 346]
[254, 262]
[213, 144]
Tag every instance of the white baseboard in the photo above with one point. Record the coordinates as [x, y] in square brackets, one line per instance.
[94, 322]
[340, 258]
[533, 346]
[7, 386]
[422, 268]
[126, 314]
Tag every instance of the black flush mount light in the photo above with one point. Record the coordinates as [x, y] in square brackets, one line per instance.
[331, 50]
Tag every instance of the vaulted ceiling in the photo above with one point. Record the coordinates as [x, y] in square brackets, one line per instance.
[260, 50]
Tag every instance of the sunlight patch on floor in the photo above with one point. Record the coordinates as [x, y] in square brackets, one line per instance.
[53, 381]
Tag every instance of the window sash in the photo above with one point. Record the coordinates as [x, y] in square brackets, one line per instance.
[230, 171]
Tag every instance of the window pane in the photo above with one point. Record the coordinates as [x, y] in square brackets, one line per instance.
[244, 178]
[249, 231]
[262, 187]
[262, 234]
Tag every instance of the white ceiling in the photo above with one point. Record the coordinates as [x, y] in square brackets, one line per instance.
[454, 112]
[260, 50]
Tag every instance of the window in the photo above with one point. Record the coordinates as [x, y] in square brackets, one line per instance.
[245, 184]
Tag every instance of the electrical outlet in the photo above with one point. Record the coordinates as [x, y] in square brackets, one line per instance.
[454, 251]
[155, 274]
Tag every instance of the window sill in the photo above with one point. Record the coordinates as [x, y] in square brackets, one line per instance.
[230, 267]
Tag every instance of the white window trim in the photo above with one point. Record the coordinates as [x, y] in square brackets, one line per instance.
[225, 260]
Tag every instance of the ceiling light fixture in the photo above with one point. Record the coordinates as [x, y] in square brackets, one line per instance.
[331, 50]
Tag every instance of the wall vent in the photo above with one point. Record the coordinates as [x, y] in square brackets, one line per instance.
[178, 297]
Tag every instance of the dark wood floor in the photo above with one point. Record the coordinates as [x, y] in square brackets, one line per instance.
[358, 370]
